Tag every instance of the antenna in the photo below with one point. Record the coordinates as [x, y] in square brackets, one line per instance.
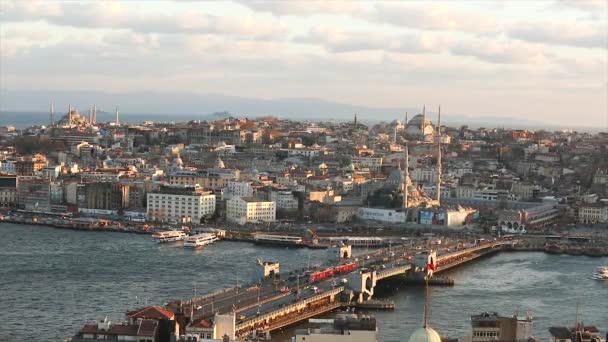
[425, 316]
[576, 319]
[406, 176]
[439, 157]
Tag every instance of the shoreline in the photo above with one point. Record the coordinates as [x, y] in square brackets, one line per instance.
[589, 251]
[79, 228]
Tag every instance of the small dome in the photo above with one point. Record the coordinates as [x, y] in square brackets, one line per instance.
[425, 335]
[219, 163]
[178, 161]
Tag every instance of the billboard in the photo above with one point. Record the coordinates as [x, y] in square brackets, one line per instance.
[429, 217]
[425, 217]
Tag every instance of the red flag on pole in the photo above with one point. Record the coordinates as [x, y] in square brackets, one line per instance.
[430, 266]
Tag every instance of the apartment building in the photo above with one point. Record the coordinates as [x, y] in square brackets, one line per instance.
[174, 203]
[242, 210]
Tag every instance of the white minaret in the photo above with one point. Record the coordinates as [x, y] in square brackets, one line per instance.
[52, 113]
[94, 114]
[69, 114]
[439, 157]
[116, 120]
[406, 175]
[423, 119]
[90, 115]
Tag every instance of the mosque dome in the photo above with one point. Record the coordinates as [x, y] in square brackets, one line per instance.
[178, 160]
[178, 163]
[417, 121]
[219, 163]
[414, 126]
[425, 335]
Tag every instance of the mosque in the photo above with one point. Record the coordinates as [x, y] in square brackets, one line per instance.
[74, 118]
[419, 126]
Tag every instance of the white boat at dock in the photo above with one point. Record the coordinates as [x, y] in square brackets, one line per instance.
[279, 240]
[169, 236]
[200, 240]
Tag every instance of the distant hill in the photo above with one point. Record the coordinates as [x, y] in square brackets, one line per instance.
[187, 106]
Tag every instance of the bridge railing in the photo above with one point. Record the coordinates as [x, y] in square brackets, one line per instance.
[289, 308]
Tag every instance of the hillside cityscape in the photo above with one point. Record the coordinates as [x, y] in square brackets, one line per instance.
[304, 170]
[405, 184]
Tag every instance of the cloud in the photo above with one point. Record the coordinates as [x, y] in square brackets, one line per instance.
[433, 17]
[502, 51]
[303, 8]
[31, 35]
[583, 5]
[115, 15]
[339, 40]
[562, 33]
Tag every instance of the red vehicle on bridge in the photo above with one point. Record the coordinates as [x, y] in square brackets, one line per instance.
[316, 276]
[345, 268]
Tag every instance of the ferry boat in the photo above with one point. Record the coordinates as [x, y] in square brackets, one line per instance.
[169, 236]
[279, 240]
[199, 240]
[601, 273]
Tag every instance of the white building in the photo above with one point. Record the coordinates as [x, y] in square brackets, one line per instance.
[7, 166]
[344, 327]
[284, 199]
[371, 163]
[239, 189]
[180, 204]
[593, 213]
[383, 215]
[308, 152]
[242, 210]
[424, 175]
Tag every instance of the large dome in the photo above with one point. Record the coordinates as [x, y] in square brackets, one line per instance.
[417, 121]
[425, 335]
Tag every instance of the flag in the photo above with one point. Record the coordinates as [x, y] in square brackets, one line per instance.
[430, 266]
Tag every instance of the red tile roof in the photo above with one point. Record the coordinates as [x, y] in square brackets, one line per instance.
[201, 323]
[152, 312]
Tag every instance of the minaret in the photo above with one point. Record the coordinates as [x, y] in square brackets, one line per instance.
[439, 157]
[90, 115]
[406, 175]
[94, 113]
[52, 112]
[69, 114]
[355, 120]
[116, 120]
[395, 134]
[423, 119]
[405, 123]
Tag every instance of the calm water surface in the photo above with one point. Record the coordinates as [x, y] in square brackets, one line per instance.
[51, 281]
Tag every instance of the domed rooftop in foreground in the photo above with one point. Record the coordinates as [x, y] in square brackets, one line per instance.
[425, 335]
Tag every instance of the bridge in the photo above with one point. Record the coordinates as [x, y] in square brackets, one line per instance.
[272, 303]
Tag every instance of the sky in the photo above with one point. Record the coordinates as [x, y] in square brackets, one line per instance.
[546, 60]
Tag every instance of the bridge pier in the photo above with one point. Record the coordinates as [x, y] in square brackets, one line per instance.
[362, 283]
